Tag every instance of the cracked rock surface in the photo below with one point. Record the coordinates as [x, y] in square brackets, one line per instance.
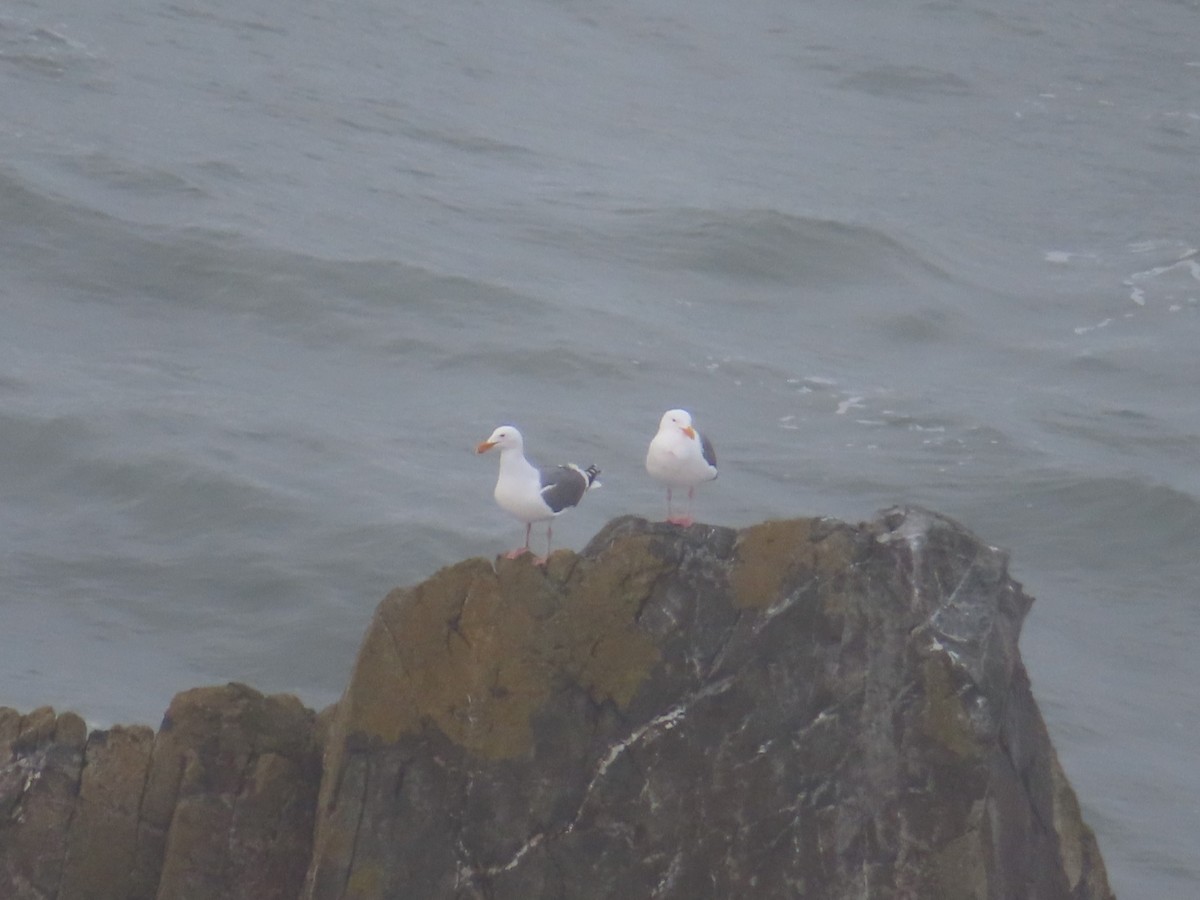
[801, 708]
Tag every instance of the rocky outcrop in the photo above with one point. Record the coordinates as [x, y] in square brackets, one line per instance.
[797, 709]
[218, 804]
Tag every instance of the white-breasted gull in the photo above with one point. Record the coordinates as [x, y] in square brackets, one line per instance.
[680, 457]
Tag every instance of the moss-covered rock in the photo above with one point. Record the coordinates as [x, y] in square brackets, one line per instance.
[800, 708]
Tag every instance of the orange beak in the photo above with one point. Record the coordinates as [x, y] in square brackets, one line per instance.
[689, 431]
[484, 447]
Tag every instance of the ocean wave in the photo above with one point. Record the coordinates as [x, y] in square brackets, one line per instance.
[1130, 432]
[33, 446]
[1152, 522]
[70, 249]
[37, 50]
[772, 246]
[908, 83]
[572, 365]
[27, 209]
[158, 497]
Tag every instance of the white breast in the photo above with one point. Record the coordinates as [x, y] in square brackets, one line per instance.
[677, 460]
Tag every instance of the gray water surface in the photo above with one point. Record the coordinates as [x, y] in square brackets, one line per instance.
[270, 272]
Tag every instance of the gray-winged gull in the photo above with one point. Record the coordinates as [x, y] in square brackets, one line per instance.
[532, 493]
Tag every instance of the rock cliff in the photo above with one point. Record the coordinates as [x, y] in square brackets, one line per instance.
[797, 709]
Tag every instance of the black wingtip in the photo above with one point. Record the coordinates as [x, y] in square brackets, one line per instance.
[592, 474]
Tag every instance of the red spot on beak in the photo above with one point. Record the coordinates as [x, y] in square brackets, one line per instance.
[484, 447]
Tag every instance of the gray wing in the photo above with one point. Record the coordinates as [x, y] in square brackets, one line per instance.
[562, 486]
[706, 447]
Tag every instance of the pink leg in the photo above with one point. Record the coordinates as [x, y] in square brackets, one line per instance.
[520, 551]
[674, 519]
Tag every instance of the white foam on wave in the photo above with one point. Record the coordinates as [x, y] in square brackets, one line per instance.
[1188, 263]
[1169, 286]
[1084, 329]
[1066, 257]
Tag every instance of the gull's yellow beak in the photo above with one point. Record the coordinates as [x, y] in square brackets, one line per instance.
[689, 431]
[484, 447]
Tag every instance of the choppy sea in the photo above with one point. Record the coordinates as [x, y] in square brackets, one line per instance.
[269, 271]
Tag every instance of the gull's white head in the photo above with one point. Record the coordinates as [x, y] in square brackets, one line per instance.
[506, 437]
[679, 419]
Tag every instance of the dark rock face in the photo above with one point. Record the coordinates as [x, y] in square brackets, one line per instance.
[798, 709]
[218, 804]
